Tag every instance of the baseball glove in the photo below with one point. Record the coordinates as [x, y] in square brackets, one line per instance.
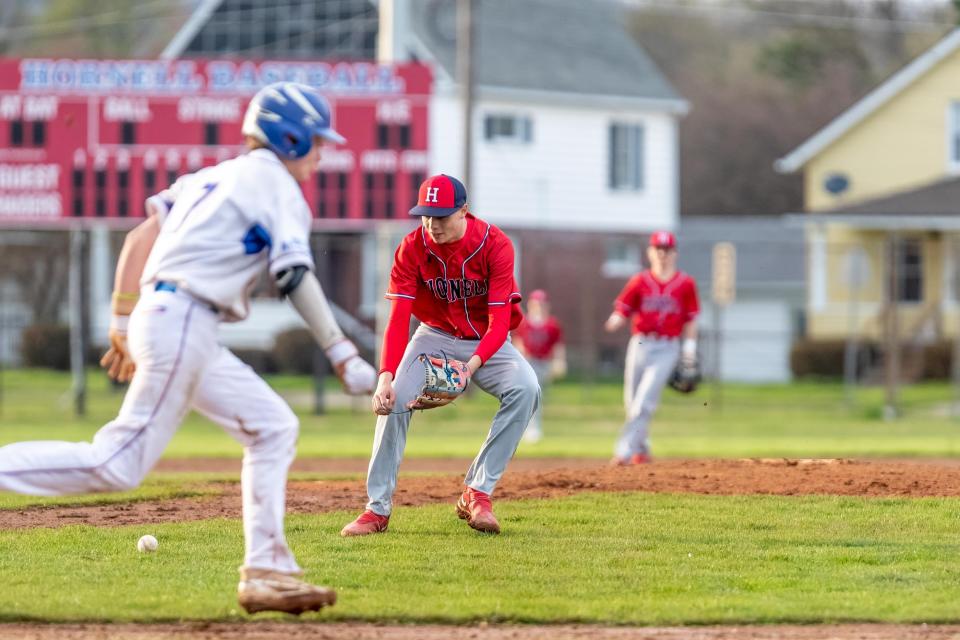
[443, 381]
[686, 376]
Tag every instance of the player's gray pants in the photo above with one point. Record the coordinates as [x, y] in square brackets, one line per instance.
[542, 370]
[506, 376]
[650, 362]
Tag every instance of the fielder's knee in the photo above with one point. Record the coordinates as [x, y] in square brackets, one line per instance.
[526, 391]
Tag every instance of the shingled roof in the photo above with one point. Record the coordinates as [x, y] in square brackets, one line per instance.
[940, 198]
[567, 46]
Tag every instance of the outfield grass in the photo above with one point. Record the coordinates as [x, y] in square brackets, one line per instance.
[610, 558]
[800, 420]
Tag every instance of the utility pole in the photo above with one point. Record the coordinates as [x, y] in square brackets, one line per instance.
[465, 42]
[953, 243]
[892, 355]
[76, 322]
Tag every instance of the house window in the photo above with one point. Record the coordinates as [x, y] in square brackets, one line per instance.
[909, 255]
[954, 131]
[508, 128]
[626, 157]
[623, 258]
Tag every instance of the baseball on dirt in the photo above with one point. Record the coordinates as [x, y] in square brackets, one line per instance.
[147, 544]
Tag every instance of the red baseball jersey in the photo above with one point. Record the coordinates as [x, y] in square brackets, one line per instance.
[454, 285]
[659, 307]
[540, 339]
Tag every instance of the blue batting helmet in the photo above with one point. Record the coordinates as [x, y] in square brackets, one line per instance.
[286, 116]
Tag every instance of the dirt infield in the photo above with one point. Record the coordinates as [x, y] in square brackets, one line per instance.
[540, 478]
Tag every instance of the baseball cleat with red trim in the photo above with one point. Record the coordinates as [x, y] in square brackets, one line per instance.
[475, 507]
[366, 523]
[266, 590]
[637, 458]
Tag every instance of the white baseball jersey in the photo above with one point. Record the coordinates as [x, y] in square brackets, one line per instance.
[221, 225]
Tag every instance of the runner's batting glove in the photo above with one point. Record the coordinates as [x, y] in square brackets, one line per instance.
[356, 375]
[444, 380]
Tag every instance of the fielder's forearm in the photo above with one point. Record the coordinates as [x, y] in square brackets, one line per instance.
[498, 326]
[396, 336]
[311, 303]
[688, 344]
[560, 354]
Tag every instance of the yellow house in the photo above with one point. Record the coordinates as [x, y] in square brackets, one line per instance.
[882, 202]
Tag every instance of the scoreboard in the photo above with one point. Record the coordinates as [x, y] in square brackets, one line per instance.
[89, 140]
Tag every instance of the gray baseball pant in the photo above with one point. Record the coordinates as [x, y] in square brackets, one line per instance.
[506, 376]
[650, 363]
[542, 370]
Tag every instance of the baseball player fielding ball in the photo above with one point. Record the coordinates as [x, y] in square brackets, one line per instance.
[455, 274]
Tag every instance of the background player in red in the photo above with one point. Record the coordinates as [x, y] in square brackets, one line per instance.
[455, 274]
[540, 339]
[662, 305]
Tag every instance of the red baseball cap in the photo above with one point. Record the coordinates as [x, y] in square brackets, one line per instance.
[440, 196]
[663, 239]
[538, 294]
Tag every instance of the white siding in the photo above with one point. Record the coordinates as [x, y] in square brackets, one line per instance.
[756, 343]
[561, 179]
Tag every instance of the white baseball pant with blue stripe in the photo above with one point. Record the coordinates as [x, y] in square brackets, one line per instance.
[180, 365]
[506, 375]
[650, 363]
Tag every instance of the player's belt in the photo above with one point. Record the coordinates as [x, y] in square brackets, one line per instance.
[164, 285]
[656, 337]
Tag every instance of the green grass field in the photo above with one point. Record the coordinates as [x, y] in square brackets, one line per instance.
[599, 558]
[801, 420]
[613, 559]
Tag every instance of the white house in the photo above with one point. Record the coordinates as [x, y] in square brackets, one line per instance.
[574, 127]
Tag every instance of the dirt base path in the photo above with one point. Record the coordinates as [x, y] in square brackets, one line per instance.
[347, 631]
[359, 465]
[720, 477]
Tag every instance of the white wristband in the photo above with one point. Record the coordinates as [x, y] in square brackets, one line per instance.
[118, 324]
[689, 347]
[340, 352]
